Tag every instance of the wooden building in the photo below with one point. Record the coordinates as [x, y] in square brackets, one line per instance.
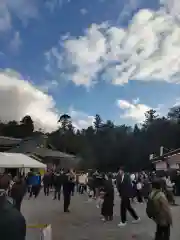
[6, 143]
[170, 160]
[37, 147]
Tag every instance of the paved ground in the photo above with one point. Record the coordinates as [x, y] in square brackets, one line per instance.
[84, 223]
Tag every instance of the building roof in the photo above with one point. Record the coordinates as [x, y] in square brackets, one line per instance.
[174, 159]
[28, 145]
[34, 146]
[166, 155]
[45, 152]
[9, 141]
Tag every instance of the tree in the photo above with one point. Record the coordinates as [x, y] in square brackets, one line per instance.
[105, 145]
[11, 129]
[65, 120]
[27, 126]
[150, 116]
[97, 122]
[174, 114]
[136, 130]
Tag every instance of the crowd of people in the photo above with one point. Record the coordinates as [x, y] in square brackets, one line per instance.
[157, 191]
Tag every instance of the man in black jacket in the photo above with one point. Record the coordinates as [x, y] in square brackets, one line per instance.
[58, 181]
[124, 187]
[46, 181]
[67, 187]
[12, 223]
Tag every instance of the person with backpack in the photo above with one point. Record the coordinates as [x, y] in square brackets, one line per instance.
[159, 211]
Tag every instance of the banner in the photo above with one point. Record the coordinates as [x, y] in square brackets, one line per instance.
[161, 166]
[47, 233]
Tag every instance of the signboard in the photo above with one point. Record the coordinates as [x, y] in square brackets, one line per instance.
[39, 231]
[47, 233]
[174, 166]
[174, 159]
[161, 166]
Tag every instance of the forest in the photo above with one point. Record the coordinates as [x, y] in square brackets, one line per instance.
[107, 146]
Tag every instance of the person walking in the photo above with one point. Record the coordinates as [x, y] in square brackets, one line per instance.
[35, 183]
[67, 187]
[58, 180]
[82, 182]
[73, 181]
[108, 199]
[169, 190]
[12, 222]
[124, 187]
[139, 187]
[46, 182]
[18, 191]
[158, 210]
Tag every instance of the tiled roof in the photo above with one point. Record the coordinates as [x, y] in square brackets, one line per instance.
[8, 141]
[36, 146]
[29, 145]
[169, 154]
[45, 152]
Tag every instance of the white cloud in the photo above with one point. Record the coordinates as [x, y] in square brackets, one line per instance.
[81, 119]
[173, 7]
[49, 85]
[176, 103]
[19, 97]
[135, 110]
[149, 49]
[23, 9]
[83, 11]
[15, 42]
[52, 4]
[5, 18]
[127, 10]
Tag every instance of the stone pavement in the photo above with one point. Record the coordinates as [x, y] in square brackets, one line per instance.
[84, 222]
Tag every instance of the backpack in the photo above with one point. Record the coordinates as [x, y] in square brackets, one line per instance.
[151, 210]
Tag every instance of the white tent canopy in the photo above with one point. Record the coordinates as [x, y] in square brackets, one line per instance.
[18, 160]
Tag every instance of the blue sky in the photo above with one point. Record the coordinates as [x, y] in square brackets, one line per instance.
[111, 57]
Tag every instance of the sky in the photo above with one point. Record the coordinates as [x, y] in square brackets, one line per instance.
[116, 58]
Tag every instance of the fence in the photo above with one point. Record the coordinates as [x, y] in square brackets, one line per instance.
[39, 232]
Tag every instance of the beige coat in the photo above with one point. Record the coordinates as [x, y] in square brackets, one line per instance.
[164, 216]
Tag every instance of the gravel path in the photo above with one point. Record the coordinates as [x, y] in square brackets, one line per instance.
[84, 222]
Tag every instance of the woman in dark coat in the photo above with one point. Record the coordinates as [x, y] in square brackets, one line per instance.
[108, 203]
[18, 191]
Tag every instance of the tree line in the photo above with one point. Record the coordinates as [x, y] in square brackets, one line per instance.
[107, 146]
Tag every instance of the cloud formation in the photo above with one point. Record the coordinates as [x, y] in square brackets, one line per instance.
[19, 97]
[53, 4]
[83, 11]
[22, 9]
[81, 120]
[16, 42]
[5, 18]
[129, 7]
[148, 50]
[133, 110]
